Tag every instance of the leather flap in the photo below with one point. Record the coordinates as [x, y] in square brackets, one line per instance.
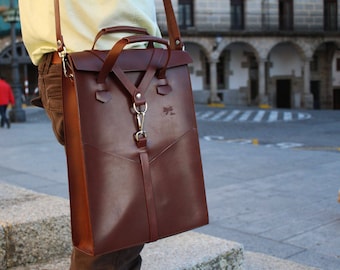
[129, 60]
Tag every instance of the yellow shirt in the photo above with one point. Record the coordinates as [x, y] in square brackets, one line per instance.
[81, 20]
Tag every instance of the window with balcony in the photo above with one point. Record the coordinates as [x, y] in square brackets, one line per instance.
[237, 14]
[185, 13]
[286, 14]
[330, 15]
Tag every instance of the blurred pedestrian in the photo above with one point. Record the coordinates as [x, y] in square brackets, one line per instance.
[6, 98]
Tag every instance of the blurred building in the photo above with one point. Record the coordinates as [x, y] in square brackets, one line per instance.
[28, 72]
[278, 53]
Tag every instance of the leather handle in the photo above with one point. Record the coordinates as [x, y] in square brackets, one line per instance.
[117, 29]
[173, 30]
[114, 53]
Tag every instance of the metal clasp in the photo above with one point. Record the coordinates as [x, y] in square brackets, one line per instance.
[140, 115]
[64, 62]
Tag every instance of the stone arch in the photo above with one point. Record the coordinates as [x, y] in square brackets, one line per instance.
[333, 40]
[286, 73]
[197, 68]
[325, 72]
[205, 43]
[239, 65]
[28, 74]
[6, 54]
[298, 46]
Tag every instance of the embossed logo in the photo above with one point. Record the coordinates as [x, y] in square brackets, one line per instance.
[168, 110]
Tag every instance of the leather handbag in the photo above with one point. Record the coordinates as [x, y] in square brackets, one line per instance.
[134, 164]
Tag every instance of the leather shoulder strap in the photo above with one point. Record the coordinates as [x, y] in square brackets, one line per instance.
[173, 30]
[59, 37]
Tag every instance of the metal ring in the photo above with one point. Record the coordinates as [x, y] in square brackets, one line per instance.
[140, 134]
[140, 111]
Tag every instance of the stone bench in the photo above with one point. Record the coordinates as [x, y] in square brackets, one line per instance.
[35, 235]
[33, 227]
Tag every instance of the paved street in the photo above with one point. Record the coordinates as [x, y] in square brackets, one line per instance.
[271, 186]
[308, 129]
[277, 179]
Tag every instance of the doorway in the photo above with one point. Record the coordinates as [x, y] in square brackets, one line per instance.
[336, 99]
[315, 90]
[254, 82]
[283, 93]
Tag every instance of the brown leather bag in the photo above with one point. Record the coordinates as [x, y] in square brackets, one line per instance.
[134, 164]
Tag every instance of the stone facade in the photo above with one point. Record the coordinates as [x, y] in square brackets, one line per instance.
[272, 60]
[263, 57]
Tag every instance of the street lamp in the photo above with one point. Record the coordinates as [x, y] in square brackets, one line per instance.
[11, 15]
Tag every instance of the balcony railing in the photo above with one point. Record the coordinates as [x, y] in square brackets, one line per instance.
[259, 23]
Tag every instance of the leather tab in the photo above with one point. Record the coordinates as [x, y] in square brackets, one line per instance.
[141, 142]
[163, 87]
[103, 96]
